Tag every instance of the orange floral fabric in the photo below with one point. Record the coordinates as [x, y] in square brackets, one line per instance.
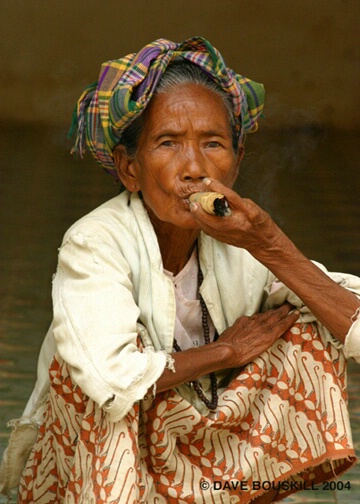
[283, 419]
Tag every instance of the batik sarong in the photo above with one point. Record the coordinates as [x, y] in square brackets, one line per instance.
[282, 421]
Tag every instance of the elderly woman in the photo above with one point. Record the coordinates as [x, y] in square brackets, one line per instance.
[195, 354]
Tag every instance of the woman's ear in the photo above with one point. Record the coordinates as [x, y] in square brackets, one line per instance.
[125, 169]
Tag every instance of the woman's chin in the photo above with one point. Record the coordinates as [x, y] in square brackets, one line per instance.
[186, 221]
[181, 218]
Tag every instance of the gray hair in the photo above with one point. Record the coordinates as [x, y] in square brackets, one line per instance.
[178, 73]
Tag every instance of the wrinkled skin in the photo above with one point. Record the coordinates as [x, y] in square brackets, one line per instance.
[185, 147]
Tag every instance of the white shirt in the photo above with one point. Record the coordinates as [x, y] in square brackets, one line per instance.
[110, 286]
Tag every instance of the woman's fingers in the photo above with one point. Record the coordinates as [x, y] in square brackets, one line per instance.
[250, 336]
[275, 321]
[216, 186]
[278, 317]
[248, 226]
[235, 201]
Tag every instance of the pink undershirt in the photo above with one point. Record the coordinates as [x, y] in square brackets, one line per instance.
[189, 332]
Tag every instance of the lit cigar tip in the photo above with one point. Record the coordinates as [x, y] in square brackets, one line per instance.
[211, 202]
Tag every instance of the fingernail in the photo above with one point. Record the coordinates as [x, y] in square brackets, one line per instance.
[207, 181]
[193, 207]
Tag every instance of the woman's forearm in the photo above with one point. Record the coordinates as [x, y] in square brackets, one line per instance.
[193, 363]
[252, 228]
[331, 304]
[239, 344]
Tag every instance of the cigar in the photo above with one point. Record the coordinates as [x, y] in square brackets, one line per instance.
[212, 202]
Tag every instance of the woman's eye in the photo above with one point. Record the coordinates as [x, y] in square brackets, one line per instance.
[167, 143]
[213, 144]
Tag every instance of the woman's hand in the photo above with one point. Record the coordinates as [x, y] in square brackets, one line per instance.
[248, 337]
[251, 228]
[241, 343]
[248, 226]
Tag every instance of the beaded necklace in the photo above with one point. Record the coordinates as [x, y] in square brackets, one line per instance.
[212, 405]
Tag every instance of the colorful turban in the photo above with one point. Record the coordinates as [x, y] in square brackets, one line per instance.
[126, 86]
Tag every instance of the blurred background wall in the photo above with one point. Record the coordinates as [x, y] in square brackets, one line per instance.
[302, 166]
[306, 52]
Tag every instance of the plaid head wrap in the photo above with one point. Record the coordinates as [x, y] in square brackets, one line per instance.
[126, 86]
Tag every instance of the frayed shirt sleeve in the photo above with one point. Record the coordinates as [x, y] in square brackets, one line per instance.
[95, 325]
[352, 340]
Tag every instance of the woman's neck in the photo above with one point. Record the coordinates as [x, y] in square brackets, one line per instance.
[176, 244]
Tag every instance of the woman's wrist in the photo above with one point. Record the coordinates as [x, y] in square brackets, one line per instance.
[277, 251]
[193, 363]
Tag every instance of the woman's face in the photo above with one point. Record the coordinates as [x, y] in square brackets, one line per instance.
[186, 137]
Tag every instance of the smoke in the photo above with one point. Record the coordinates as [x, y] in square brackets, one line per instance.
[280, 153]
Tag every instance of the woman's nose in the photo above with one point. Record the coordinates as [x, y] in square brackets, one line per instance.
[194, 164]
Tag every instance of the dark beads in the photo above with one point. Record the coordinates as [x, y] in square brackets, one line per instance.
[212, 405]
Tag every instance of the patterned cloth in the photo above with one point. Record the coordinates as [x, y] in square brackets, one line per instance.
[126, 86]
[283, 419]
